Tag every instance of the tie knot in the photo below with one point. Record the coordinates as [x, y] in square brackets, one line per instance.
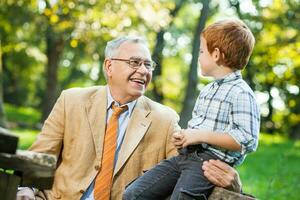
[118, 110]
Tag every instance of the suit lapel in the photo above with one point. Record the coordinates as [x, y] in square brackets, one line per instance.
[137, 127]
[96, 115]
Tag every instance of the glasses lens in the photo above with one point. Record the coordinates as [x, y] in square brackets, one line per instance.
[137, 63]
[134, 63]
[153, 65]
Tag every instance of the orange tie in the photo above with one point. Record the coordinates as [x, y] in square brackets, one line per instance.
[103, 181]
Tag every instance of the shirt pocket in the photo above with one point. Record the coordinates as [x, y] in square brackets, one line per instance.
[219, 111]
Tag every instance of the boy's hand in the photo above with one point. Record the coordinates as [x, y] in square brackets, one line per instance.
[177, 140]
[185, 138]
[190, 137]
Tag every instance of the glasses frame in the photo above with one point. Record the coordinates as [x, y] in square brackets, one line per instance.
[129, 62]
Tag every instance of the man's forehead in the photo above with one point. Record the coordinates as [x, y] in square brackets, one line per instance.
[134, 50]
[139, 58]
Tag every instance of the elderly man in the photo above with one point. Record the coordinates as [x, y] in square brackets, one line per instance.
[106, 136]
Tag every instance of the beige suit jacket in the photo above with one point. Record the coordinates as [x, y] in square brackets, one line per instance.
[74, 132]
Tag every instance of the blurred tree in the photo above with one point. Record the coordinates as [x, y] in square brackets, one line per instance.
[157, 55]
[2, 116]
[191, 89]
[21, 57]
[51, 45]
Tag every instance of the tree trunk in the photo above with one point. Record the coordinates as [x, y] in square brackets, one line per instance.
[191, 91]
[54, 50]
[2, 115]
[295, 132]
[268, 122]
[157, 56]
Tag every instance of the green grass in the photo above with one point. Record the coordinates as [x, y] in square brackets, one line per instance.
[273, 171]
[270, 173]
[26, 137]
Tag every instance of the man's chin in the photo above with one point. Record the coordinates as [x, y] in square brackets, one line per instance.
[137, 93]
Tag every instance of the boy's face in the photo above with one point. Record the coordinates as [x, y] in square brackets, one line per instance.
[206, 60]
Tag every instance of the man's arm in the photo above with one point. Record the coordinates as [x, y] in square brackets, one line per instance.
[222, 175]
[48, 141]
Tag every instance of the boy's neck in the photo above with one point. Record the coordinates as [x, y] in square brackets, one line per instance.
[222, 72]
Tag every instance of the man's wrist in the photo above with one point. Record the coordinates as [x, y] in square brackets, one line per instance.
[236, 185]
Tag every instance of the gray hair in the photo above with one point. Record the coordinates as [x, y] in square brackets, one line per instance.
[112, 46]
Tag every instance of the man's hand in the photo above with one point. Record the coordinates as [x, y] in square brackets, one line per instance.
[222, 175]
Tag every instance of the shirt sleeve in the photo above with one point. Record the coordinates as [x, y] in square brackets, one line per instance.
[245, 121]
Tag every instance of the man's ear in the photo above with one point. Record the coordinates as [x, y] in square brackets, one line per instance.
[107, 66]
[216, 54]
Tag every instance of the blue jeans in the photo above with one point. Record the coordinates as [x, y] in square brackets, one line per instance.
[182, 176]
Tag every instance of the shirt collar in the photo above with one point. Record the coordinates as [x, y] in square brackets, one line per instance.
[111, 100]
[230, 77]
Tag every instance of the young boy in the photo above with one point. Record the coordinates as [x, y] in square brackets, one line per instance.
[224, 125]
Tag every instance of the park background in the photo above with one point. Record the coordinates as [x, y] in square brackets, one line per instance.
[48, 46]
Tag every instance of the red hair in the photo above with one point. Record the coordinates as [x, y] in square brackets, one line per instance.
[234, 40]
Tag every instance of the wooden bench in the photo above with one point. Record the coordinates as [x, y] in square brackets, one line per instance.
[22, 168]
[223, 194]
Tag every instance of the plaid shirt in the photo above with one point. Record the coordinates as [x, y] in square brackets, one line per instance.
[228, 105]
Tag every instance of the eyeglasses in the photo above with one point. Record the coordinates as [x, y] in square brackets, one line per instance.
[136, 63]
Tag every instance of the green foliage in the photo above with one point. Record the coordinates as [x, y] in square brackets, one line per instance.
[22, 115]
[276, 65]
[86, 26]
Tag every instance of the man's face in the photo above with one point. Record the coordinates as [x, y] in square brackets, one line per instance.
[127, 84]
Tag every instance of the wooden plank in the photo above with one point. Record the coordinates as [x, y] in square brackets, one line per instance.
[8, 141]
[36, 170]
[222, 194]
[8, 185]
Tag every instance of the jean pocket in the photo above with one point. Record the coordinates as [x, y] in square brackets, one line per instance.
[187, 195]
[199, 157]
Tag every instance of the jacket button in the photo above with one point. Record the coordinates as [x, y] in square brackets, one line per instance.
[97, 167]
[81, 191]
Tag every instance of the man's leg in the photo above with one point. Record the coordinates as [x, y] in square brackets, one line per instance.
[157, 183]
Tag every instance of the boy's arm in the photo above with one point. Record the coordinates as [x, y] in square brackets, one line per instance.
[198, 136]
[245, 119]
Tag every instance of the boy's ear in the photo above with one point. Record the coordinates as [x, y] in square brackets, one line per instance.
[216, 54]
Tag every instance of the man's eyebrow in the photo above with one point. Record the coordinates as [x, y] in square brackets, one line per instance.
[139, 58]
